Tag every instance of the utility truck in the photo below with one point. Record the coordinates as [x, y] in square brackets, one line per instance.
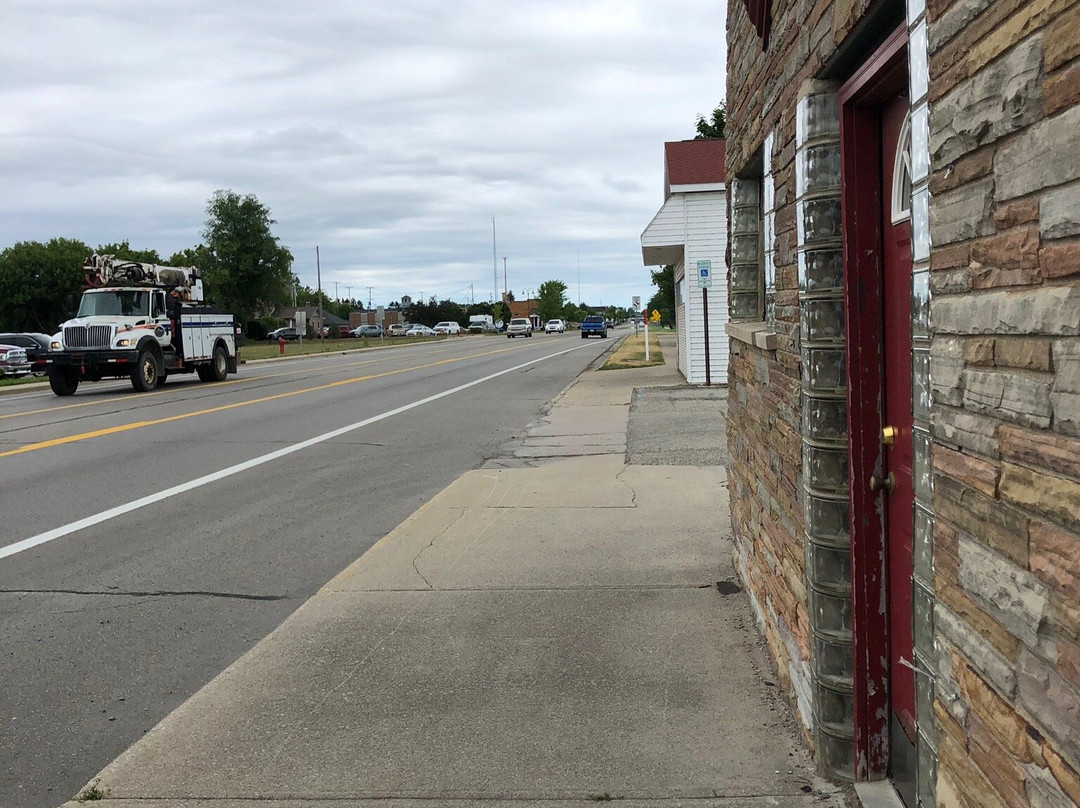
[144, 322]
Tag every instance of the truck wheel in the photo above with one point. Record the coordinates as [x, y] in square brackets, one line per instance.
[584, 335]
[219, 365]
[144, 376]
[203, 372]
[63, 381]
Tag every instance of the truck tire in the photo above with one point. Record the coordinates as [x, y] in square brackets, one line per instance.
[63, 381]
[144, 376]
[584, 334]
[203, 372]
[219, 365]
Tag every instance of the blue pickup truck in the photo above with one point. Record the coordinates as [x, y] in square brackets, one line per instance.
[593, 324]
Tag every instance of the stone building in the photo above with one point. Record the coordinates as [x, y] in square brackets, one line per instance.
[904, 414]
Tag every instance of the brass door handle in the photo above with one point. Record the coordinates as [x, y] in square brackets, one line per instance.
[886, 483]
[888, 435]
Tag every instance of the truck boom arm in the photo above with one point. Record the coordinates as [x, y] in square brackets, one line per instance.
[105, 270]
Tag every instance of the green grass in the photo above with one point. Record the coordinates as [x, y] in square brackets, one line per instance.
[22, 380]
[261, 349]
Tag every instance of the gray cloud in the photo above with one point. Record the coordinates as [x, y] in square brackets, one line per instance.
[387, 135]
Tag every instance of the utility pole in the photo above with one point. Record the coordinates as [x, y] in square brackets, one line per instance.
[579, 277]
[336, 295]
[472, 296]
[369, 298]
[494, 265]
[504, 278]
[348, 289]
[318, 276]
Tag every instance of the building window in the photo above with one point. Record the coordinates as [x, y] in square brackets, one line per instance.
[901, 187]
[745, 278]
[768, 217]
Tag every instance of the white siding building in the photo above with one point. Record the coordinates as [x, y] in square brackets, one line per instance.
[691, 227]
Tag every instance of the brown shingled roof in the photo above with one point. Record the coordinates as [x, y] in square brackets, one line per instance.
[693, 162]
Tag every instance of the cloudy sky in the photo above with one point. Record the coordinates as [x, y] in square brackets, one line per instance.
[387, 133]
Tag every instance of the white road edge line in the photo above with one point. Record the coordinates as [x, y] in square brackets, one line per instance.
[199, 482]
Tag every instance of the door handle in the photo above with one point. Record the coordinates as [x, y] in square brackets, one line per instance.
[886, 483]
[888, 435]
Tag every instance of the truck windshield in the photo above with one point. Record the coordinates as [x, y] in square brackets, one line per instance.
[115, 302]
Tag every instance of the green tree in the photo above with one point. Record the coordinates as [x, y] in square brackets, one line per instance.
[122, 249]
[248, 272]
[40, 284]
[430, 312]
[664, 299]
[713, 127]
[198, 257]
[551, 299]
[575, 313]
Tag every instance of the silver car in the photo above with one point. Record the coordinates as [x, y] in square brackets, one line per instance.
[519, 327]
[13, 361]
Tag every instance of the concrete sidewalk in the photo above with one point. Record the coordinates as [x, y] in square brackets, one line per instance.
[548, 629]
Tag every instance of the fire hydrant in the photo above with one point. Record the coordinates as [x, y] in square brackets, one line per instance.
[281, 346]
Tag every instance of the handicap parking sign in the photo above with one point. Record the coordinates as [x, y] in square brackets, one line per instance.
[704, 269]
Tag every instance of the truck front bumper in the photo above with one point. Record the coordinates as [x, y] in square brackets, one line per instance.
[104, 362]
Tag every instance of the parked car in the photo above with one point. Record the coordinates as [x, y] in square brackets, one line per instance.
[554, 327]
[288, 334]
[369, 331]
[13, 361]
[519, 327]
[397, 329]
[343, 330]
[36, 345]
[419, 331]
[447, 327]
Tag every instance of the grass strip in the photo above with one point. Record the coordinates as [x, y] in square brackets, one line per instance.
[631, 354]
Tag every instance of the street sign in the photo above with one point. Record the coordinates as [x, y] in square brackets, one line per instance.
[636, 304]
[704, 271]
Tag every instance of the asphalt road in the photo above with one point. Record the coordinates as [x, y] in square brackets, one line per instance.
[148, 540]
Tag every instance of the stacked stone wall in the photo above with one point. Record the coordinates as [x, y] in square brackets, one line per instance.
[1005, 375]
[766, 514]
[765, 410]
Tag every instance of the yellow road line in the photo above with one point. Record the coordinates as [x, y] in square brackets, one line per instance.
[33, 447]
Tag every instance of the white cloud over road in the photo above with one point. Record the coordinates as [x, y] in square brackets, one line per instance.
[387, 133]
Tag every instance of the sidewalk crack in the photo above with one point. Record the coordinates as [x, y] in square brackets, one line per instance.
[633, 491]
[430, 544]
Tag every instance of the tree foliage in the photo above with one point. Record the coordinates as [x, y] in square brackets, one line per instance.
[551, 299]
[664, 299]
[247, 271]
[40, 284]
[713, 127]
[191, 257]
[122, 249]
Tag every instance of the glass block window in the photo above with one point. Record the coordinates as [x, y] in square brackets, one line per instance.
[768, 208]
[745, 276]
[824, 425]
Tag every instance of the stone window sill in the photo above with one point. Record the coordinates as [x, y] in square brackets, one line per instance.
[758, 334]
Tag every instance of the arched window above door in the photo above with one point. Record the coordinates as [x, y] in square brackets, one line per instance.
[901, 186]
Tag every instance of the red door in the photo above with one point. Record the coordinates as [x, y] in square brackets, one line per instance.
[896, 441]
